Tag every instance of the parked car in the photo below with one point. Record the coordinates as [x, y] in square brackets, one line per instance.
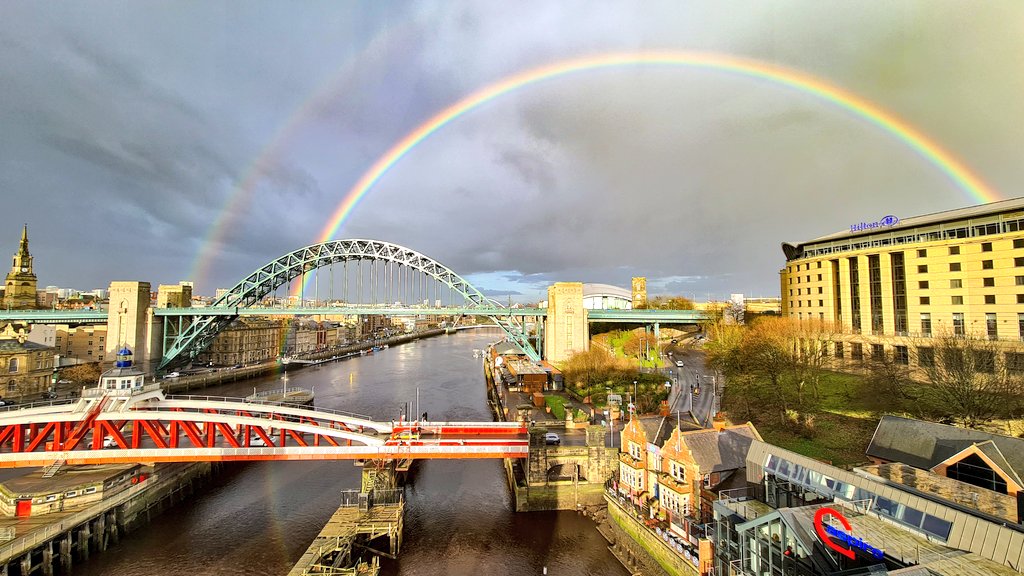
[48, 395]
[552, 438]
[256, 441]
[173, 375]
[679, 363]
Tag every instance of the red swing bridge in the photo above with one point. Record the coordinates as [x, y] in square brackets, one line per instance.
[142, 425]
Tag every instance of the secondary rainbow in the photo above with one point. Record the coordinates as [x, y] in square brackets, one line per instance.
[964, 179]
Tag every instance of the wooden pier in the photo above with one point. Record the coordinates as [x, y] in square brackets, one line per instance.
[351, 541]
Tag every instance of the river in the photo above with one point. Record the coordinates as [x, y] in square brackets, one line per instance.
[258, 518]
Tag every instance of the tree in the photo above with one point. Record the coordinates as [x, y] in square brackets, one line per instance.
[887, 377]
[82, 374]
[670, 303]
[594, 368]
[638, 344]
[969, 384]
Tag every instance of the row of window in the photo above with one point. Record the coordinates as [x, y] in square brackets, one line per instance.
[923, 269]
[937, 233]
[829, 487]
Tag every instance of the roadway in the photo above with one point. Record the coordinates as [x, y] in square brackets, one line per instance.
[689, 378]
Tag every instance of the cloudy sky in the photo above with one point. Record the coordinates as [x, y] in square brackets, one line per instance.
[199, 140]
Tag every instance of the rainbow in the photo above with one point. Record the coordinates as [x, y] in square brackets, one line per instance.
[961, 176]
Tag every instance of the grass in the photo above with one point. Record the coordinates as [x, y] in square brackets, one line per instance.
[843, 422]
[557, 404]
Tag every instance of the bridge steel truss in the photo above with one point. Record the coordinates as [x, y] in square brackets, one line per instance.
[186, 336]
[152, 428]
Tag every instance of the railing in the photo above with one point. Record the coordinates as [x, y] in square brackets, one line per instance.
[351, 498]
[244, 401]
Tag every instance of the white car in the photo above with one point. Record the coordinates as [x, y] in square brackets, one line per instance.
[109, 442]
[679, 363]
[552, 438]
[257, 441]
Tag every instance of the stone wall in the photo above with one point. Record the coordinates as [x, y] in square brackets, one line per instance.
[633, 542]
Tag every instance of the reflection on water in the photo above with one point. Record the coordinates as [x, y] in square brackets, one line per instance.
[259, 518]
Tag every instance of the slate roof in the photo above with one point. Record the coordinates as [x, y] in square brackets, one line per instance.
[12, 345]
[716, 451]
[924, 444]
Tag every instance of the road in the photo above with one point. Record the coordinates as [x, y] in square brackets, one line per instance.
[693, 375]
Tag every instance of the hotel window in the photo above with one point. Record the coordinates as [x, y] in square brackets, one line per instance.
[790, 291]
[958, 300]
[922, 284]
[820, 291]
[986, 246]
[1018, 243]
[988, 281]
[953, 250]
[1014, 362]
[991, 327]
[926, 323]
[799, 291]
[875, 291]
[839, 349]
[956, 283]
[877, 352]
[1020, 325]
[899, 293]
[986, 264]
[855, 293]
[819, 275]
[1020, 298]
[901, 355]
[925, 357]
[954, 266]
[925, 300]
[923, 268]
[819, 266]
[922, 253]
[857, 351]
[1018, 261]
[990, 298]
[821, 302]
[1019, 280]
[958, 323]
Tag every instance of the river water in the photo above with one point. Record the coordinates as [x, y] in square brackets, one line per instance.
[259, 518]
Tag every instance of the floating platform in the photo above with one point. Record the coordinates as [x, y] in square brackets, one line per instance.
[279, 396]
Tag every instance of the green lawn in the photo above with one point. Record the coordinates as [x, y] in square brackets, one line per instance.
[557, 404]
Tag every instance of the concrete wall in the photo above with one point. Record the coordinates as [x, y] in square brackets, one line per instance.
[652, 553]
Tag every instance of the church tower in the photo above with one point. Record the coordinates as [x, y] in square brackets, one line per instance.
[20, 285]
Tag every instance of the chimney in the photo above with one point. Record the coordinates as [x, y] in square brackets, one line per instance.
[719, 422]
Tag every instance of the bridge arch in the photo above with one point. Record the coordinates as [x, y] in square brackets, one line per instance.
[251, 290]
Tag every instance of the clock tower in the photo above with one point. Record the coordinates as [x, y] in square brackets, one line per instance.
[20, 286]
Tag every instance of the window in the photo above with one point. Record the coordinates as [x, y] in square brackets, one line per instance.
[926, 323]
[1020, 298]
[839, 349]
[634, 450]
[925, 300]
[956, 283]
[707, 480]
[677, 471]
[820, 291]
[986, 246]
[877, 352]
[1018, 243]
[1020, 325]
[1015, 362]
[988, 282]
[958, 300]
[958, 323]
[821, 302]
[925, 357]
[954, 266]
[922, 284]
[12, 386]
[991, 326]
[1019, 280]
[12, 365]
[857, 351]
[923, 268]
[819, 275]
[953, 250]
[900, 355]
[1018, 261]
[986, 264]
[990, 298]
[922, 253]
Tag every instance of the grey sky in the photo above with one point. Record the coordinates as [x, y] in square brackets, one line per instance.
[126, 127]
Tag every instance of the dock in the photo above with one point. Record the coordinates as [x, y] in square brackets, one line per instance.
[292, 395]
[351, 542]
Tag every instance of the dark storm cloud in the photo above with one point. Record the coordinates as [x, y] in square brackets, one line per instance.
[133, 125]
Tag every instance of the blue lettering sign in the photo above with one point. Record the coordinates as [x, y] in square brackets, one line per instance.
[854, 542]
[884, 222]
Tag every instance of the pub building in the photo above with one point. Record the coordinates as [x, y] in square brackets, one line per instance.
[799, 516]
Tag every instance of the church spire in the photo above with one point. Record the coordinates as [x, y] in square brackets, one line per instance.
[23, 247]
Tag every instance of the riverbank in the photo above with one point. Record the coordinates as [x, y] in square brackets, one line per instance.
[218, 377]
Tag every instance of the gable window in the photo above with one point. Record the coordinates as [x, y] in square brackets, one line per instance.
[634, 450]
[677, 471]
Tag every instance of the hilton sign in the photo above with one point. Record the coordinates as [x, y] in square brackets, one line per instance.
[885, 222]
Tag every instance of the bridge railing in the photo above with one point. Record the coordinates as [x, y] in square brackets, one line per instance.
[351, 498]
[243, 401]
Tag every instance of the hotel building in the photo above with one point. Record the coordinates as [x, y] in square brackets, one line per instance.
[895, 284]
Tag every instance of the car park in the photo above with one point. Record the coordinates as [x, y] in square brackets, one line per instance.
[552, 438]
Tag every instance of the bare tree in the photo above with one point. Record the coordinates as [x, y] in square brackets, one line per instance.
[969, 383]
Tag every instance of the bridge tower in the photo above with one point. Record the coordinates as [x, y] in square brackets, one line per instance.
[131, 323]
[20, 284]
[565, 329]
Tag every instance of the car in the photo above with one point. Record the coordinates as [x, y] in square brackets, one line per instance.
[256, 441]
[173, 375]
[552, 438]
[48, 395]
[109, 442]
[679, 363]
